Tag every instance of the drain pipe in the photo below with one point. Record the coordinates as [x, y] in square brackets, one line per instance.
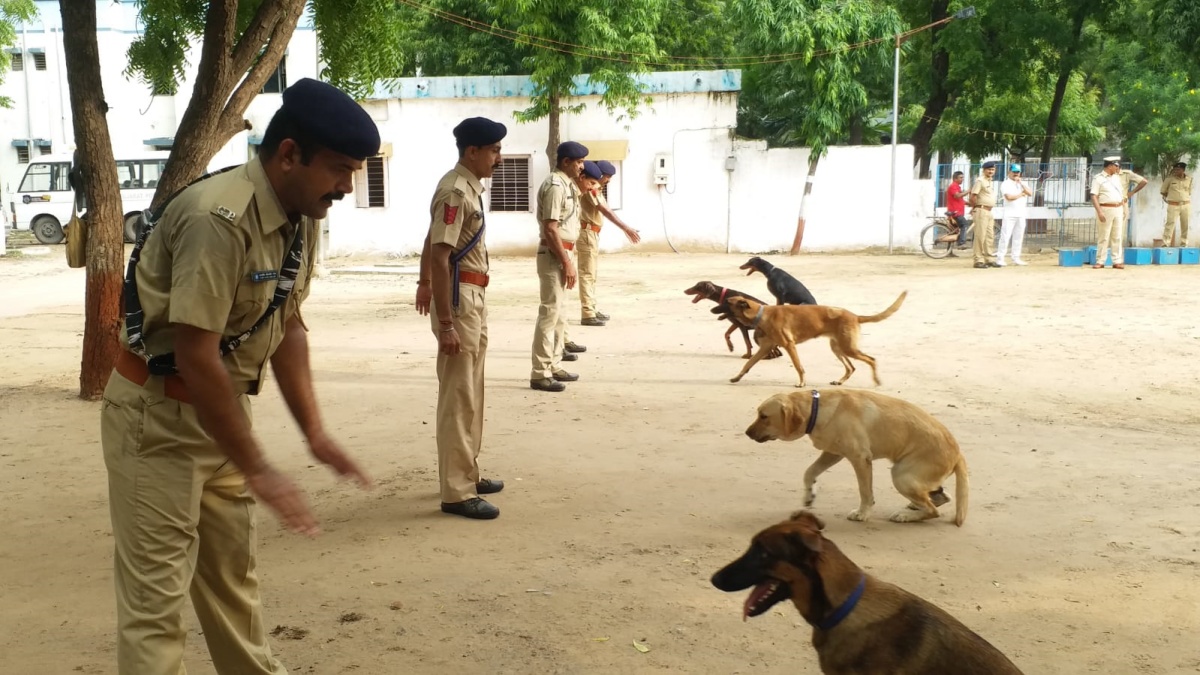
[28, 100]
[730, 165]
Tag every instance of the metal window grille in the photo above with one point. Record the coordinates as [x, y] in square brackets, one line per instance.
[376, 183]
[510, 189]
[22, 155]
[18, 61]
[39, 61]
[278, 80]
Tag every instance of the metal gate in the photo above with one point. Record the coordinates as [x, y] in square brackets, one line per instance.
[1061, 215]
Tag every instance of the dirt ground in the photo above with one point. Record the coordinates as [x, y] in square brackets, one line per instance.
[1073, 393]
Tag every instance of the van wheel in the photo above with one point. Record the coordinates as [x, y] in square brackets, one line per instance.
[47, 229]
[133, 227]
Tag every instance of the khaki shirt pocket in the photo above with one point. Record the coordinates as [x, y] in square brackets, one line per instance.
[249, 304]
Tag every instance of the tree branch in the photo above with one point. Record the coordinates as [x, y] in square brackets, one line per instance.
[281, 33]
[242, 54]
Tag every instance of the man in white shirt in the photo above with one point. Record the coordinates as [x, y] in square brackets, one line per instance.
[1110, 197]
[1016, 197]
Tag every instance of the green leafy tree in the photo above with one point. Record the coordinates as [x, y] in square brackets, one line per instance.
[12, 12]
[1152, 108]
[610, 42]
[815, 100]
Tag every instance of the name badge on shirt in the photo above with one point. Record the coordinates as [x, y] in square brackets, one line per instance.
[264, 275]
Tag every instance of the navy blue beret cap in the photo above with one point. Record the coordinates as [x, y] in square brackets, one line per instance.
[591, 170]
[334, 119]
[478, 131]
[572, 150]
[989, 165]
[607, 168]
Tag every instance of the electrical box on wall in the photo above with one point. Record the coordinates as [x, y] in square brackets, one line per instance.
[663, 168]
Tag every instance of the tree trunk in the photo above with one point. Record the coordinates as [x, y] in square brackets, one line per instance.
[555, 124]
[813, 160]
[1066, 67]
[106, 242]
[220, 96]
[939, 94]
[857, 130]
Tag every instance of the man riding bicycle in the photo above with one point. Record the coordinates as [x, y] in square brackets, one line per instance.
[956, 207]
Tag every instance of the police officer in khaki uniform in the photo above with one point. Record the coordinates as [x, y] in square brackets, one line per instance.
[982, 201]
[558, 221]
[454, 274]
[208, 305]
[1177, 193]
[595, 207]
[1110, 198]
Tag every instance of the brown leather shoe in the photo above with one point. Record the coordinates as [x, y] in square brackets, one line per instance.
[564, 376]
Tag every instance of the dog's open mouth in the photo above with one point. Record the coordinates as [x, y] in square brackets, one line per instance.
[765, 596]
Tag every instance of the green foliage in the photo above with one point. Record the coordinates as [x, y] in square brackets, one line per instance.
[621, 30]
[814, 101]
[12, 12]
[1152, 107]
[1021, 116]
[361, 40]
[158, 56]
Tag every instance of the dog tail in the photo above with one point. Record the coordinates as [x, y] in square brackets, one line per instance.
[962, 489]
[885, 313]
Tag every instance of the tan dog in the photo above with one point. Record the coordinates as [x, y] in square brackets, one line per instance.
[862, 426]
[861, 625]
[786, 326]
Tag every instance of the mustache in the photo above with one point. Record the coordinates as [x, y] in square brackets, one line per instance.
[334, 197]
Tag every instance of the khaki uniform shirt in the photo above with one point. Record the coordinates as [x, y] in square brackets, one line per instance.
[213, 261]
[1115, 188]
[1177, 189]
[590, 214]
[558, 199]
[456, 215]
[985, 191]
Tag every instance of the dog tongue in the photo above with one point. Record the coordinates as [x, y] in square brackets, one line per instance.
[757, 594]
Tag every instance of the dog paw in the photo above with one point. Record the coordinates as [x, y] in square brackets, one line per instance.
[734, 379]
[836, 383]
[809, 498]
[910, 515]
[801, 385]
[859, 515]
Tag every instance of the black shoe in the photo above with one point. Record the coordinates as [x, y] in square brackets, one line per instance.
[997, 265]
[592, 321]
[472, 508]
[602, 316]
[564, 376]
[982, 266]
[489, 486]
[573, 348]
[547, 384]
[568, 356]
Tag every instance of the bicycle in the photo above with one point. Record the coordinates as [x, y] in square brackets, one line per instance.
[939, 237]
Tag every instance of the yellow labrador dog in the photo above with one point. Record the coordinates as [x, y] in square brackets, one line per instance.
[862, 426]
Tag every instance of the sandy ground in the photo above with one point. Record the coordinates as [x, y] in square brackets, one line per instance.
[1073, 393]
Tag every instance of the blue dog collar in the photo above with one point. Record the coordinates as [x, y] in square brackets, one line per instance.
[831, 621]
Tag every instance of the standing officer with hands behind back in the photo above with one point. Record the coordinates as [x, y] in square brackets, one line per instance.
[558, 222]
[208, 304]
[454, 274]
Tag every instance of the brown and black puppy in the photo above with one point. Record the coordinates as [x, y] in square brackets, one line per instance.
[707, 290]
[786, 326]
[861, 625]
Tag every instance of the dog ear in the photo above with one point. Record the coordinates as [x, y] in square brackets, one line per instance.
[805, 531]
[741, 303]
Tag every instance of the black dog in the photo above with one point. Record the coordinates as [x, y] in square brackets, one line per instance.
[723, 296]
[786, 288]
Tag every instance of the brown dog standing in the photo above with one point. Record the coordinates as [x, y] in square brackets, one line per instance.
[862, 426]
[861, 625]
[785, 326]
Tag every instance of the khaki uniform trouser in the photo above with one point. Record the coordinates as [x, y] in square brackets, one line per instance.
[549, 334]
[1181, 214]
[1111, 233]
[183, 521]
[588, 250]
[985, 237]
[460, 397]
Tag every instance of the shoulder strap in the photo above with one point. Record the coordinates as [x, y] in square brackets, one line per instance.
[164, 364]
[455, 258]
